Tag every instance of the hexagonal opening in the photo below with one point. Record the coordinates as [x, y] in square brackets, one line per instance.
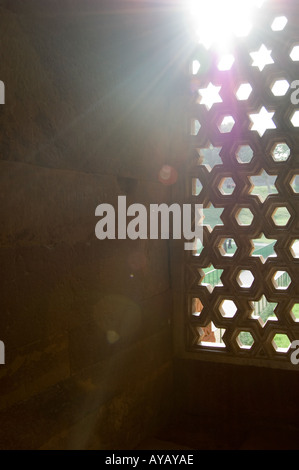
[281, 152]
[295, 184]
[244, 217]
[294, 248]
[227, 186]
[245, 278]
[196, 186]
[195, 126]
[244, 91]
[263, 311]
[279, 23]
[227, 247]
[295, 119]
[281, 342]
[244, 154]
[280, 87]
[226, 62]
[281, 280]
[281, 216]
[263, 185]
[228, 308]
[295, 312]
[245, 340]
[294, 54]
[226, 124]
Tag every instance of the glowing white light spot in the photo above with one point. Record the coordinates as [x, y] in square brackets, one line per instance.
[217, 22]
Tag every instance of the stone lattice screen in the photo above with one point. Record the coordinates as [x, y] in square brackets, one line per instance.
[242, 282]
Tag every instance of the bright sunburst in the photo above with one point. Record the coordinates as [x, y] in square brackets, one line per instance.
[217, 22]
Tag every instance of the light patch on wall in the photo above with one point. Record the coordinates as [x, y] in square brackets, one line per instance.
[2, 92]
[2, 353]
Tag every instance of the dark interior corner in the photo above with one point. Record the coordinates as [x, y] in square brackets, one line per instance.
[94, 105]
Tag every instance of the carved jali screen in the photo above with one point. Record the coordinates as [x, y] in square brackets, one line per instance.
[242, 280]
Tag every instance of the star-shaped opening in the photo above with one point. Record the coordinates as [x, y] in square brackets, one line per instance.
[262, 121]
[263, 248]
[196, 307]
[263, 185]
[263, 311]
[210, 95]
[210, 277]
[261, 58]
[212, 216]
[210, 336]
[196, 186]
[198, 247]
[209, 156]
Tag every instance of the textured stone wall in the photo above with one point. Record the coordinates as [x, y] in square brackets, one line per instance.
[225, 403]
[88, 116]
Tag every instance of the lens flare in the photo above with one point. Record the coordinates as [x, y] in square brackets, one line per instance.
[218, 22]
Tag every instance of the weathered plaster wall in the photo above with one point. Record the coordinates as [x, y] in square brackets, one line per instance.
[227, 406]
[86, 323]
